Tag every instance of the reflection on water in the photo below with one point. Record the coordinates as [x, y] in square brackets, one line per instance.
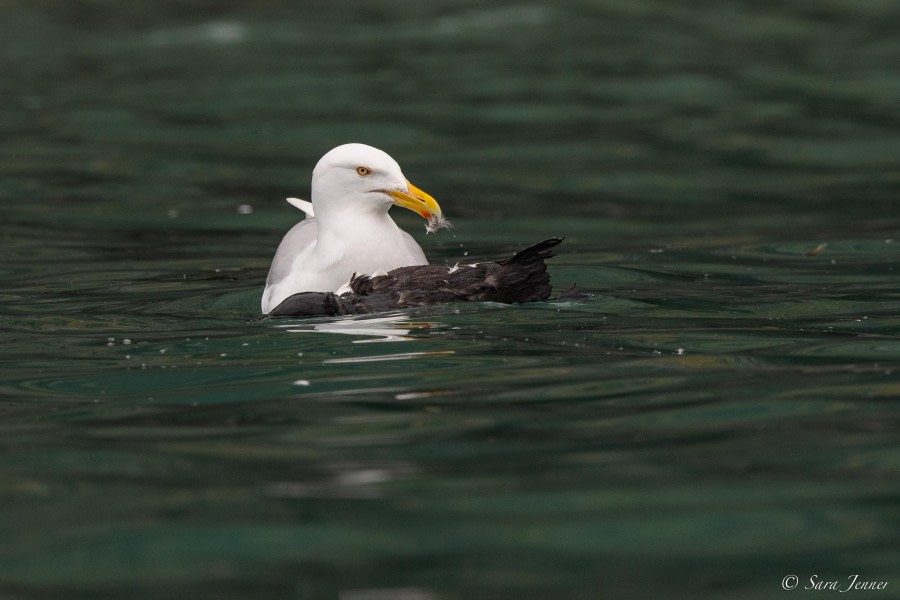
[379, 329]
[718, 413]
[383, 357]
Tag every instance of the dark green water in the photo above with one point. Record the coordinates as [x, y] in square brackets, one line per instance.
[722, 412]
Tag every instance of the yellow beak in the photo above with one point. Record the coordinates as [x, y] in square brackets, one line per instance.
[416, 200]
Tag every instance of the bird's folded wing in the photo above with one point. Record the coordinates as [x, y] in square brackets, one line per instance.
[300, 237]
[304, 205]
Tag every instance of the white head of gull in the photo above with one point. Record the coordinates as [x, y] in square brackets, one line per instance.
[348, 229]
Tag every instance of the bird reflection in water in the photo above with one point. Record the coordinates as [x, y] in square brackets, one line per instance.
[393, 328]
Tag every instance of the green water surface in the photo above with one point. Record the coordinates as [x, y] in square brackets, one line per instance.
[721, 412]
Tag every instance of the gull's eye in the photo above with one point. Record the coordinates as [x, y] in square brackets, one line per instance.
[363, 171]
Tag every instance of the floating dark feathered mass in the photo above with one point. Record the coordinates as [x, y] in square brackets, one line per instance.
[522, 278]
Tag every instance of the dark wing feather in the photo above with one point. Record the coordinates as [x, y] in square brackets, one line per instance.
[522, 278]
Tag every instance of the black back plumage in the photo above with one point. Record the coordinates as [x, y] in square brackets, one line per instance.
[522, 278]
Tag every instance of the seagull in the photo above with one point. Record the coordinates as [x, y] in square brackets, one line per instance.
[347, 230]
